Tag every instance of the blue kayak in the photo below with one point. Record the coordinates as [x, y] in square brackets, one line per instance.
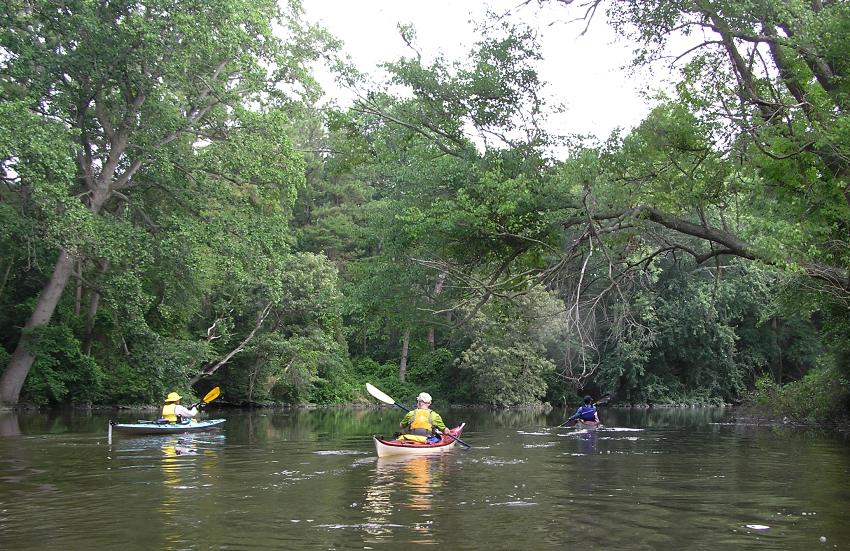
[154, 427]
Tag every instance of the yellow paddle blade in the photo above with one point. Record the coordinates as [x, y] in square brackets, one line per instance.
[211, 395]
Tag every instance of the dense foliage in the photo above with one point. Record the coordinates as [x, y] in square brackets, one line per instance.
[177, 213]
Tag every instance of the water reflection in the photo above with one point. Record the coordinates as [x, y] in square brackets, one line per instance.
[587, 440]
[9, 424]
[405, 483]
[171, 466]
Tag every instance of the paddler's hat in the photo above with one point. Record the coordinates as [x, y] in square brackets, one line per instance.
[424, 397]
[172, 397]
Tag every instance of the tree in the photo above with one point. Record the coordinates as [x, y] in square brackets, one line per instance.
[451, 203]
[139, 89]
[759, 122]
[507, 359]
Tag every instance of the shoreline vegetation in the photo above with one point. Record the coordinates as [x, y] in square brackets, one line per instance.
[179, 215]
[739, 414]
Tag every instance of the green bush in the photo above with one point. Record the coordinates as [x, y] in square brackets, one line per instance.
[385, 377]
[437, 373]
[123, 384]
[61, 372]
[507, 376]
[822, 394]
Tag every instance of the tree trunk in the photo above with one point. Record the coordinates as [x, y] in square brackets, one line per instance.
[778, 344]
[252, 376]
[21, 360]
[94, 302]
[78, 295]
[438, 289]
[6, 274]
[402, 368]
[92, 312]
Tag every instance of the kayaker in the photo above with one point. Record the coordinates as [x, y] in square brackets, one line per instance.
[421, 422]
[174, 412]
[586, 411]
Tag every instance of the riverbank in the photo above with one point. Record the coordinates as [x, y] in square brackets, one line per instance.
[741, 414]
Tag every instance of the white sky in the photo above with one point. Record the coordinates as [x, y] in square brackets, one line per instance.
[585, 73]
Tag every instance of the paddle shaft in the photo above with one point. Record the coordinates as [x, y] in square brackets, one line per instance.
[438, 431]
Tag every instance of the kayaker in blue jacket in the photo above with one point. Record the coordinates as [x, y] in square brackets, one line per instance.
[586, 411]
[174, 412]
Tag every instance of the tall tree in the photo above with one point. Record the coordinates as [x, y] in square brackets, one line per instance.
[139, 88]
[759, 122]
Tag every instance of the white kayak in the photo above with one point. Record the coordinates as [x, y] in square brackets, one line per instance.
[386, 447]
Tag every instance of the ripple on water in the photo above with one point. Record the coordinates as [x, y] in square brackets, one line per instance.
[340, 452]
[499, 462]
[361, 526]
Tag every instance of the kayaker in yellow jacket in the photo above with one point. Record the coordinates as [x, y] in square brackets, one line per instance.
[174, 412]
[421, 422]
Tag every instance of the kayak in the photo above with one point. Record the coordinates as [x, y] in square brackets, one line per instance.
[152, 427]
[386, 447]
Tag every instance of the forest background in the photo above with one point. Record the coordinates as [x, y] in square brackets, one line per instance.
[180, 209]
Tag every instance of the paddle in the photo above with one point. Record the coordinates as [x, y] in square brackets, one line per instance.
[209, 397]
[601, 402]
[387, 400]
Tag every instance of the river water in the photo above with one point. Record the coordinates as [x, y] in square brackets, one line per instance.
[661, 479]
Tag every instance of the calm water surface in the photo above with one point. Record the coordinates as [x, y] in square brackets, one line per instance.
[310, 480]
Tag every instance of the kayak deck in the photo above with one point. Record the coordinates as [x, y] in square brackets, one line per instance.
[152, 427]
[386, 447]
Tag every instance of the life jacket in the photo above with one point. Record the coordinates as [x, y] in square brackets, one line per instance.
[168, 413]
[422, 424]
[587, 412]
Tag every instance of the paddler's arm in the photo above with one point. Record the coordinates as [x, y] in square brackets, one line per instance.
[406, 420]
[438, 421]
[182, 411]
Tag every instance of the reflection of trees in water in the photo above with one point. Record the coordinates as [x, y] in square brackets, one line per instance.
[9, 424]
[484, 419]
[305, 425]
[663, 416]
[57, 421]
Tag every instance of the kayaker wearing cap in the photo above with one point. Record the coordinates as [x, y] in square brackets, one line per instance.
[174, 412]
[421, 422]
[586, 411]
